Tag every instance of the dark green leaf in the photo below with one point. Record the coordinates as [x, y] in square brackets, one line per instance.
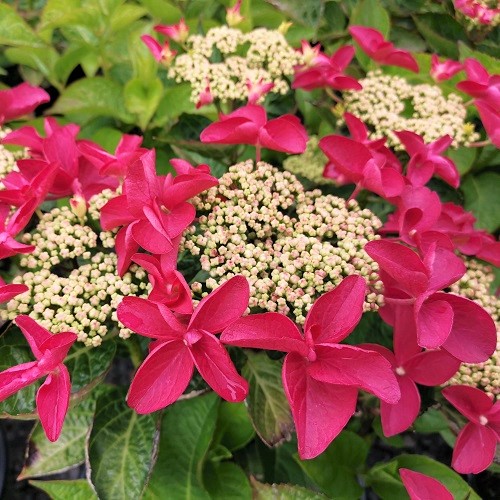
[226, 481]
[76, 489]
[463, 157]
[263, 491]
[89, 364]
[69, 61]
[46, 457]
[441, 32]
[234, 428]
[385, 481]
[491, 64]
[335, 470]
[395, 441]
[175, 101]
[309, 13]
[38, 58]
[186, 433]
[163, 10]
[267, 404]
[481, 198]
[431, 421]
[121, 448]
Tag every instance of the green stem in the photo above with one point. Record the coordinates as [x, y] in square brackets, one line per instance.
[135, 351]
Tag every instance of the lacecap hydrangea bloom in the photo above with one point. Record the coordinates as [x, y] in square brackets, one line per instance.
[389, 102]
[72, 277]
[292, 245]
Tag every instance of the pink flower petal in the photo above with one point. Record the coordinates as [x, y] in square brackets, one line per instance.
[352, 366]
[270, 331]
[320, 411]
[445, 268]
[125, 247]
[162, 377]
[473, 334]
[285, 133]
[469, 401]
[432, 367]
[217, 369]
[8, 292]
[144, 317]
[35, 334]
[52, 402]
[396, 418]
[222, 306]
[434, 321]
[237, 130]
[149, 237]
[335, 314]
[422, 487]
[474, 450]
[17, 377]
[114, 213]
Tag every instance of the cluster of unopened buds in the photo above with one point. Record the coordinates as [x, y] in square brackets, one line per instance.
[479, 12]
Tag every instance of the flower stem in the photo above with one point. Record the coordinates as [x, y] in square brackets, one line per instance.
[135, 351]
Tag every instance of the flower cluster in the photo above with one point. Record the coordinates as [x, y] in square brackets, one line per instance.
[388, 103]
[310, 164]
[475, 284]
[83, 299]
[268, 59]
[291, 245]
[479, 12]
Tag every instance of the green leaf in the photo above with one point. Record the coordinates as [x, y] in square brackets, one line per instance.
[175, 101]
[492, 64]
[431, 421]
[481, 198]
[38, 58]
[267, 404]
[46, 457]
[121, 448]
[385, 481]
[441, 32]
[70, 60]
[309, 13]
[463, 157]
[15, 31]
[58, 13]
[163, 10]
[123, 16]
[91, 97]
[395, 441]
[370, 13]
[14, 350]
[142, 98]
[89, 364]
[263, 491]
[234, 428]
[226, 481]
[76, 489]
[186, 433]
[335, 470]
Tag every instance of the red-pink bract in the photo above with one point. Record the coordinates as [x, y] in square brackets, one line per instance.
[427, 160]
[490, 118]
[8, 292]
[480, 83]
[373, 43]
[422, 487]
[249, 125]
[457, 325]
[20, 100]
[167, 370]
[162, 53]
[441, 71]
[52, 398]
[321, 377]
[177, 32]
[476, 443]
[11, 225]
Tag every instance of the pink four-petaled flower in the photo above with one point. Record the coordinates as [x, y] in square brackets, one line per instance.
[179, 347]
[52, 399]
[321, 377]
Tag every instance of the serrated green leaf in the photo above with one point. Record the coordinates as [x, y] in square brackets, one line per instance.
[92, 97]
[186, 432]
[335, 470]
[263, 491]
[121, 448]
[481, 198]
[308, 13]
[234, 428]
[142, 98]
[385, 481]
[441, 32]
[88, 364]
[267, 404]
[226, 481]
[76, 489]
[46, 457]
[15, 31]
[14, 350]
